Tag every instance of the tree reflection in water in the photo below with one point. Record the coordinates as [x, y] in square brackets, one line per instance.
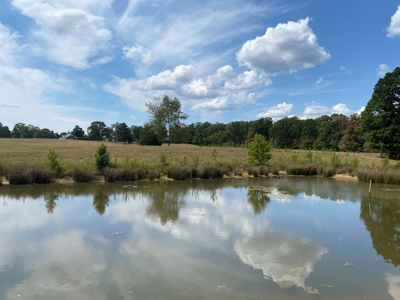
[382, 219]
[258, 200]
[166, 204]
[100, 202]
[50, 200]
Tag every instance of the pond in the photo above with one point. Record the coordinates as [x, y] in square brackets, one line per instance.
[256, 238]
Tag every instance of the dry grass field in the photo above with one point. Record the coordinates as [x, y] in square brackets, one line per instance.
[33, 151]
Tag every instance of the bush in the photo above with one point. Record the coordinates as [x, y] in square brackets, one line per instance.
[208, 172]
[19, 175]
[384, 175]
[259, 151]
[83, 175]
[101, 157]
[178, 173]
[128, 174]
[385, 161]
[328, 171]
[253, 170]
[40, 175]
[111, 174]
[306, 170]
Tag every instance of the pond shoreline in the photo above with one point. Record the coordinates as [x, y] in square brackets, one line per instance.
[281, 175]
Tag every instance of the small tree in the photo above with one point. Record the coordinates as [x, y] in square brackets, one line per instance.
[101, 157]
[52, 161]
[259, 151]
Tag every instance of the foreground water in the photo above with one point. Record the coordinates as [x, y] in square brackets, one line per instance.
[211, 239]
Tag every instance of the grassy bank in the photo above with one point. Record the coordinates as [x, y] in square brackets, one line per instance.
[24, 161]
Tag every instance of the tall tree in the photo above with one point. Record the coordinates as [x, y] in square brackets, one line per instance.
[165, 114]
[381, 118]
[4, 131]
[97, 130]
[78, 131]
[16, 130]
[123, 133]
[135, 131]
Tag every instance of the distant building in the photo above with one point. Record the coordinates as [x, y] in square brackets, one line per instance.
[68, 137]
[112, 139]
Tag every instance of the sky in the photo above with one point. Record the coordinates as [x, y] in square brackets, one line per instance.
[71, 62]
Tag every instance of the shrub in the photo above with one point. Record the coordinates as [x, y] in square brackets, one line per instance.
[19, 175]
[40, 175]
[396, 166]
[259, 151]
[328, 171]
[238, 172]
[307, 170]
[111, 174]
[263, 170]
[128, 174]
[253, 170]
[101, 157]
[83, 175]
[384, 175]
[208, 172]
[178, 173]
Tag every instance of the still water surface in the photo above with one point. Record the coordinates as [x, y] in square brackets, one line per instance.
[212, 239]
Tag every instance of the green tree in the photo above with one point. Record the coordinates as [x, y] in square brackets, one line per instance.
[97, 130]
[285, 131]
[4, 131]
[259, 150]
[261, 126]
[16, 130]
[149, 136]
[165, 114]
[135, 132]
[381, 118]
[258, 200]
[101, 157]
[123, 133]
[78, 131]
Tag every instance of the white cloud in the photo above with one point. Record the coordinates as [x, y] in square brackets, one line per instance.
[316, 110]
[280, 110]
[382, 70]
[9, 45]
[286, 48]
[320, 80]
[394, 27]
[68, 36]
[341, 109]
[137, 53]
[362, 108]
[246, 80]
[282, 257]
[228, 102]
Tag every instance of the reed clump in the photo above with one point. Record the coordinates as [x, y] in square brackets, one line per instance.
[83, 175]
[253, 171]
[380, 175]
[177, 172]
[306, 170]
[28, 175]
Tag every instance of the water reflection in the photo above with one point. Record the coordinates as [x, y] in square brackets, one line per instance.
[382, 220]
[51, 204]
[100, 202]
[393, 285]
[282, 257]
[258, 200]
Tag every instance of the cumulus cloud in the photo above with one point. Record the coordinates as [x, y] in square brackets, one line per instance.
[316, 110]
[67, 36]
[281, 257]
[362, 108]
[394, 27]
[286, 48]
[228, 102]
[280, 110]
[382, 70]
[9, 45]
[137, 53]
[224, 90]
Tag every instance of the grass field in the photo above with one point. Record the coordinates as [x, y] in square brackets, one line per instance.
[72, 152]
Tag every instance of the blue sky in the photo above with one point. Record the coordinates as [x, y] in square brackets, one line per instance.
[71, 62]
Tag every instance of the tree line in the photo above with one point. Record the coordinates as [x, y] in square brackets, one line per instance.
[376, 129]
